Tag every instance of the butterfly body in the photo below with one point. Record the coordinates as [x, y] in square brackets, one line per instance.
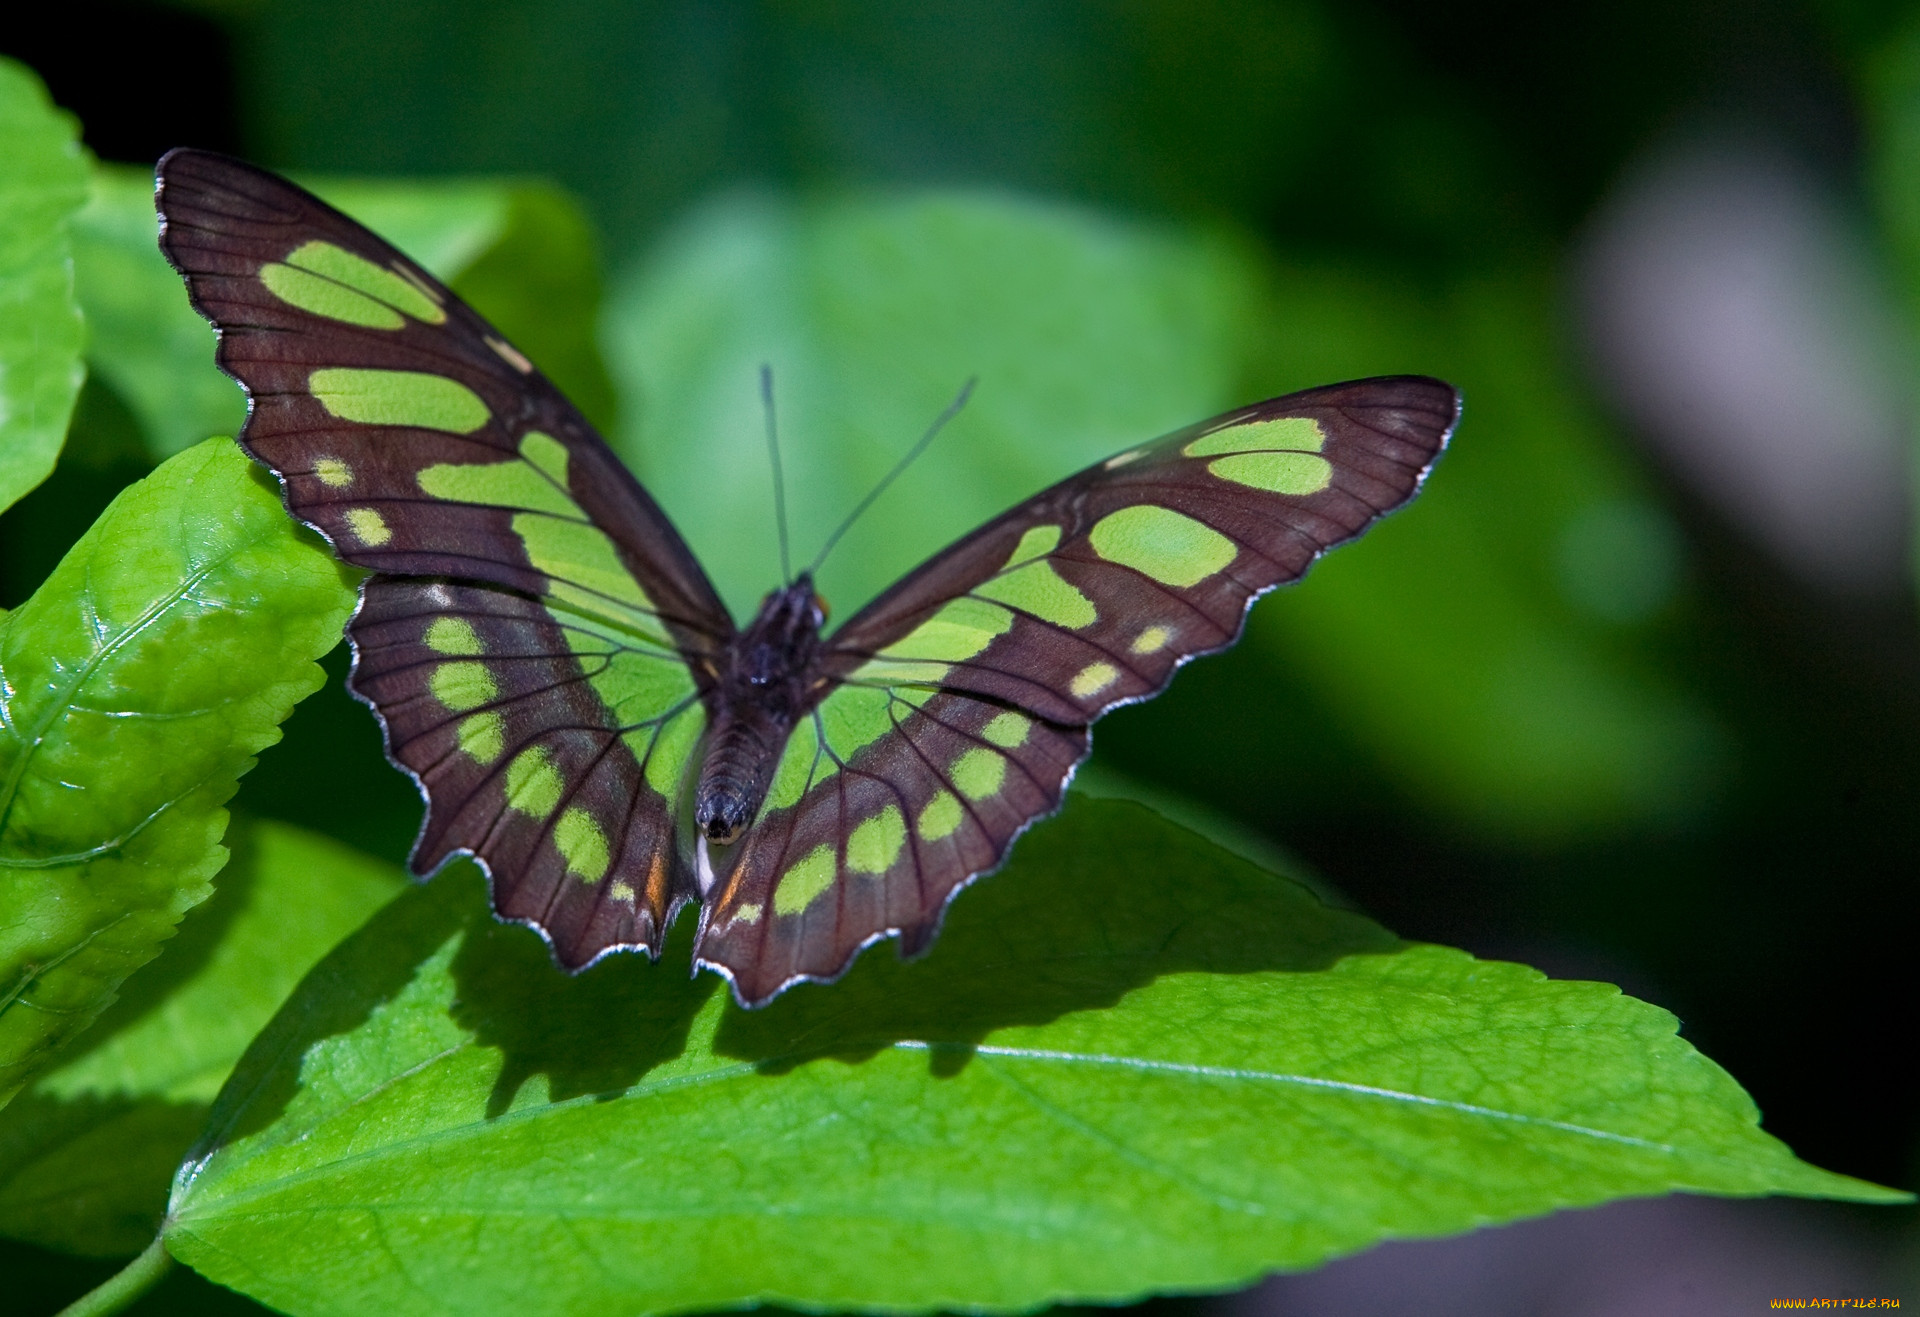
[552, 667]
[768, 680]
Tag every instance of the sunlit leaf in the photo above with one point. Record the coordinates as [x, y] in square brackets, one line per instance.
[135, 685]
[1133, 1062]
[43, 175]
[87, 1154]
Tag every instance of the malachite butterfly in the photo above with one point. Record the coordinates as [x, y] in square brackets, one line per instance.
[553, 668]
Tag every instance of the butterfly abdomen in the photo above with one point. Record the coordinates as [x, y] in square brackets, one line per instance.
[766, 684]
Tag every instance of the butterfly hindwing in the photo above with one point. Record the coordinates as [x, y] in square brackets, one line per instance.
[554, 754]
[975, 679]
[888, 800]
[538, 634]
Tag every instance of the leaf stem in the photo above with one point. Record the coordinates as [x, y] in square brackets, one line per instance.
[119, 1290]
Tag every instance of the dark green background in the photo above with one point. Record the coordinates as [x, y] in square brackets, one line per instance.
[1424, 142]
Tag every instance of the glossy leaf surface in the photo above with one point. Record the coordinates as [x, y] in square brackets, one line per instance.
[42, 182]
[1101, 1082]
[135, 685]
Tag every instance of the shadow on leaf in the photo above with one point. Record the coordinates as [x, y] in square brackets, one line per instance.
[595, 1032]
[1102, 900]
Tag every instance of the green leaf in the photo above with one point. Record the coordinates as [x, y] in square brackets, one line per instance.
[525, 248]
[43, 174]
[1087, 334]
[87, 1154]
[135, 685]
[1133, 1062]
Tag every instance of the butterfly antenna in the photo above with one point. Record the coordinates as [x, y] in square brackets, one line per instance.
[779, 477]
[939, 424]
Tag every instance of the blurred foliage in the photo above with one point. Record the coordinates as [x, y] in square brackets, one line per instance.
[1558, 710]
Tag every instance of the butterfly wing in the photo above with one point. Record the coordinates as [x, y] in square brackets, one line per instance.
[961, 700]
[538, 635]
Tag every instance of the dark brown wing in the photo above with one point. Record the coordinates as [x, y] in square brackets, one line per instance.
[538, 632]
[961, 699]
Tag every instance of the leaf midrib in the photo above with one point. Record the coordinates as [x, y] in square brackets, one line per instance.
[469, 1129]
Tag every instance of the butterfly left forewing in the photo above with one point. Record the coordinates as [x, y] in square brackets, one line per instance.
[1085, 597]
[537, 634]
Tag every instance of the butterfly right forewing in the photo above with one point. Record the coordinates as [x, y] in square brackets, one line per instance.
[962, 698]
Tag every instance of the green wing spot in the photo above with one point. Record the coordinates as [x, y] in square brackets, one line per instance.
[533, 783]
[1280, 473]
[637, 687]
[362, 276]
[1008, 730]
[1093, 679]
[463, 686]
[369, 527]
[323, 297]
[1168, 546]
[548, 455]
[1036, 543]
[672, 751]
[509, 484]
[954, 634]
[1300, 434]
[399, 397]
[1152, 640]
[877, 843]
[453, 636]
[854, 717]
[804, 881]
[580, 561]
[483, 736]
[795, 773]
[941, 817]
[333, 473]
[582, 845]
[1040, 590]
[979, 772]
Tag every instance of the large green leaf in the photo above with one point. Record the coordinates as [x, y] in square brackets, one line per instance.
[87, 1153]
[135, 685]
[43, 180]
[524, 247]
[1133, 1062]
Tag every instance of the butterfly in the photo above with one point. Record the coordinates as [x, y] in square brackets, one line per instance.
[583, 717]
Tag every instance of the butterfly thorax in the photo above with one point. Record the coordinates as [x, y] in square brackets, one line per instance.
[766, 683]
